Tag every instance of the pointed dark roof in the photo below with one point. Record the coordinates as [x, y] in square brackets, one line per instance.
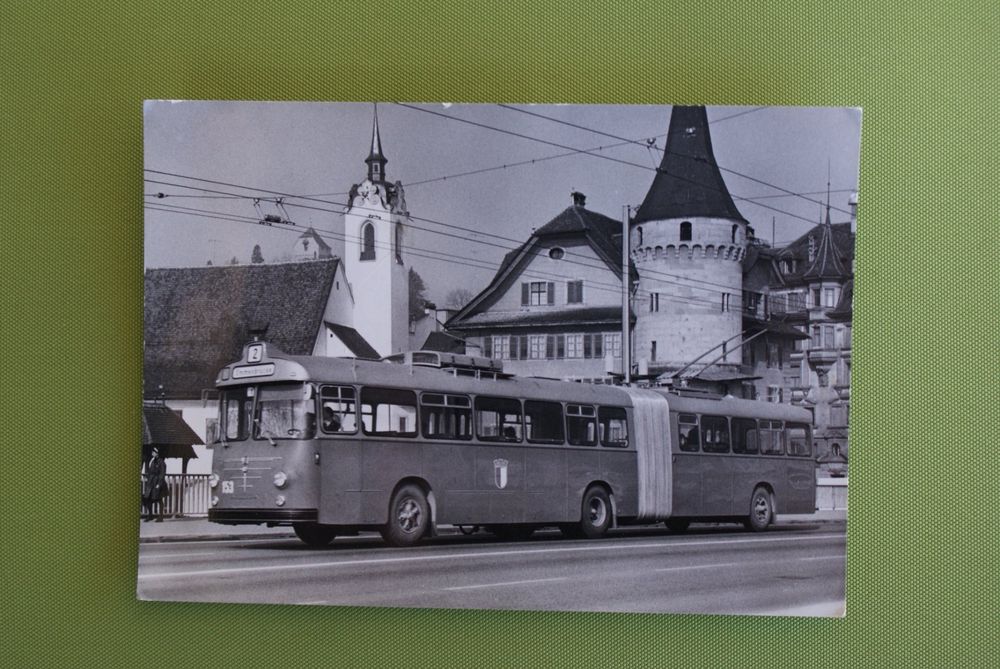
[840, 244]
[688, 181]
[375, 155]
[197, 318]
[826, 263]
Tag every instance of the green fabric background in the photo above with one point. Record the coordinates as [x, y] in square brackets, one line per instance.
[923, 558]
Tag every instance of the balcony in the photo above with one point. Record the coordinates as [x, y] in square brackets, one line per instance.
[823, 356]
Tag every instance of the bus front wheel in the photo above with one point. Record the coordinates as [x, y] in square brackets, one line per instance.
[595, 516]
[409, 517]
[761, 510]
[313, 534]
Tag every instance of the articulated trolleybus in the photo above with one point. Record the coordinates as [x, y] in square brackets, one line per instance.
[336, 446]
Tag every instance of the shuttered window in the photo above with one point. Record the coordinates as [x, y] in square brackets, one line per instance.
[574, 292]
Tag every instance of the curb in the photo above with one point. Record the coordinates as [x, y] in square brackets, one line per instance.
[213, 537]
[793, 520]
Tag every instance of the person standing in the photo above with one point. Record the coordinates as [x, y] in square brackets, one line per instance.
[155, 486]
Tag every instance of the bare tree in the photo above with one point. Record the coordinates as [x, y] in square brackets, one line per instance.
[458, 298]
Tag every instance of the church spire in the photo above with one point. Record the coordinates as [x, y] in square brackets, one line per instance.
[376, 160]
[688, 182]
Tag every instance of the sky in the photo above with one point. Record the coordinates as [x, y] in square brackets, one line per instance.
[262, 149]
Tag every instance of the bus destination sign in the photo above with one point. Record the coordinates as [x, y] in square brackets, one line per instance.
[253, 371]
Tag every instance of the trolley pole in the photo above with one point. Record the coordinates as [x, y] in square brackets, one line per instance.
[626, 280]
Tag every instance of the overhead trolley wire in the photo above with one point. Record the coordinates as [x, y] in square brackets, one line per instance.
[670, 278]
[440, 256]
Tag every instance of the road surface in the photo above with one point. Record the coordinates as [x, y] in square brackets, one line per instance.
[788, 570]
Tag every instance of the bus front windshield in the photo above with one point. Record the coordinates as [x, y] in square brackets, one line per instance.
[285, 411]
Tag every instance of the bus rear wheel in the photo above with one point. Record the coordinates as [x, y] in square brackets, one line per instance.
[409, 517]
[595, 513]
[761, 510]
[314, 534]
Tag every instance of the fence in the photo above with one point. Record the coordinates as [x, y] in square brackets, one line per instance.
[189, 495]
[831, 494]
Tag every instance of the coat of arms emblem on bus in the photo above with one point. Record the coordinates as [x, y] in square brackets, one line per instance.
[500, 473]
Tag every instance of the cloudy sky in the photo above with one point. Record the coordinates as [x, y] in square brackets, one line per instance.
[318, 149]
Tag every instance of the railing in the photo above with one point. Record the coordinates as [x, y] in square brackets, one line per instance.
[189, 495]
[831, 494]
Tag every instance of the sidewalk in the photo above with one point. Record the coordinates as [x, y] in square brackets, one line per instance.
[199, 529]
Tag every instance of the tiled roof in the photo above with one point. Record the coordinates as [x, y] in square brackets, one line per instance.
[688, 181]
[444, 342]
[197, 319]
[836, 241]
[353, 340]
[161, 426]
[602, 232]
[551, 316]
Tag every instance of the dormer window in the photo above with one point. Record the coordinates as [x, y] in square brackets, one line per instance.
[686, 231]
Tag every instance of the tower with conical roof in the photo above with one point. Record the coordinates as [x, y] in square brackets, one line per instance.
[687, 241]
[374, 230]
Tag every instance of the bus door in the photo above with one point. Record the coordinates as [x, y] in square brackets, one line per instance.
[500, 471]
[716, 467]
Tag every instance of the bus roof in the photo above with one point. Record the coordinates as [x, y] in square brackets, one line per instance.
[739, 408]
[320, 369]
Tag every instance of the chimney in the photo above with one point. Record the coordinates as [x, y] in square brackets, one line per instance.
[579, 199]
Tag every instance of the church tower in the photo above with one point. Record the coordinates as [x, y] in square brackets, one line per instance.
[374, 227]
[687, 241]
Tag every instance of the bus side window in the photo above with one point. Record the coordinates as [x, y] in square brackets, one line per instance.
[446, 416]
[744, 435]
[581, 425]
[687, 431]
[339, 413]
[771, 438]
[798, 439]
[613, 427]
[389, 412]
[543, 422]
[716, 433]
[498, 419]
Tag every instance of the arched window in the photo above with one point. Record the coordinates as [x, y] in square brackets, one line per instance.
[735, 228]
[686, 231]
[368, 242]
[638, 235]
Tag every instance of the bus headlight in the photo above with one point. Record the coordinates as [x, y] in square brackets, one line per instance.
[213, 480]
[215, 501]
[280, 479]
[280, 500]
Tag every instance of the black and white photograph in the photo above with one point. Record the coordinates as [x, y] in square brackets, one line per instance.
[498, 356]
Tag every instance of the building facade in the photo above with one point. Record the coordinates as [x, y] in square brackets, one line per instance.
[687, 241]
[375, 223]
[554, 307]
